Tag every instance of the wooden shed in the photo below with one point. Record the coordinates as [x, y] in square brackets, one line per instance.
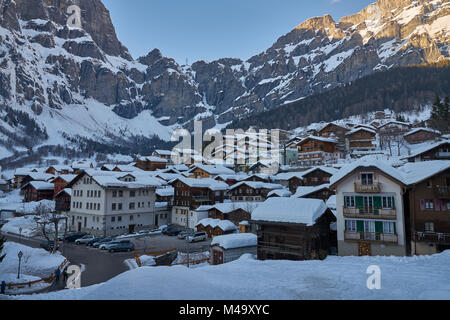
[231, 247]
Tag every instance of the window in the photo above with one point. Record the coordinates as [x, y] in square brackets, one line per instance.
[113, 219]
[113, 207]
[349, 202]
[119, 219]
[131, 218]
[387, 202]
[120, 206]
[429, 204]
[350, 225]
[132, 194]
[120, 194]
[429, 227]
[114, 194]
[368, 202]
[369, 226]
[429, 185]
[389, 227]
[367, 178]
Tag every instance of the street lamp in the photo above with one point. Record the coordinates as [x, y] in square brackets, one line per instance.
[20, 235]
[20, 255]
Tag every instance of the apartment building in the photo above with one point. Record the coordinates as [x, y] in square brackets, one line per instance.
[111, 203]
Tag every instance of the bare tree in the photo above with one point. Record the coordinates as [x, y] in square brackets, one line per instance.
[46, 217]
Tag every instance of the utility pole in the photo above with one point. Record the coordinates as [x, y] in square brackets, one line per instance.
[187, 239]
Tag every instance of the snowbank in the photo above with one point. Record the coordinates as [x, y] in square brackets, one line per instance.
[35, 262]
[27, 223]
[232, 241]
[336, 278]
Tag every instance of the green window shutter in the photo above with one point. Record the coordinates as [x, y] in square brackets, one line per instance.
[359, 202]
[393, 202]
[378, 227]
[395, 228]
[360, 226]
[377, 202]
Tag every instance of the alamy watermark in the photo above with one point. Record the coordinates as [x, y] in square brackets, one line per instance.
[374, 280]
[74, 279]
[74, 20]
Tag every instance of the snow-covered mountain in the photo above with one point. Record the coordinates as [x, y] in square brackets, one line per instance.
[84, 82]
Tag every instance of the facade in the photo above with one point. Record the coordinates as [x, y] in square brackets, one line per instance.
[335, 131]
[421, 135]
[321, 192]
[249, 191]
[370, 210]
[105, 205]
[318, 176]
[361, 140]
[37, 191]
[436, 151]
[61, 182]
[318, 151]
[151, 163]
[63, 201]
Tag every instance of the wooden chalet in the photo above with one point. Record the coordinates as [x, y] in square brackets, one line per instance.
[61, 182]
[321, 192]
[361, 139]
[216, 227]
[333, 130]
[435, 151]
[63, 201]
[251, 191]
[421, 135]
[37, 191]
[151, 163]
[317, 151]
[293, 229]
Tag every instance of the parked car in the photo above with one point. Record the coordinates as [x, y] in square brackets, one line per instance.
[85, 239]
[71, 237]
[121, 247]
[172, 231]
[48, 245]
[103, 241]
[91, 242]
[183, 235]
[105, 246]
[198, 236]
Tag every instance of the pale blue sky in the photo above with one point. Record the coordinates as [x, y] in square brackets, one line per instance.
[214, 29]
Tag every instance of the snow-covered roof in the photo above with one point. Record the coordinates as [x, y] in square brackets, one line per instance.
[418, 171]
[326, 169]
[238, 240]
[288, 176]
[165, 192]
[395, 122]
[110, 179]
[360, 129]
[224, 225]
[331, 202]
[41, 185]
[320, 139]
[363, 163]
[66, 190]
[228, 207]
[67, 177]
[304, 191]
[203, 183]
[257, 185]
[153, 159]
[163, 152]
[213, 169]
[284, 193]
[290, 210]
[421, 129]
[426, 148]
[40, 176]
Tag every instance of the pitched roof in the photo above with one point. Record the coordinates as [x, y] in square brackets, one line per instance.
[232, 241]
[421, 129]
[426, 148]
[257, 185]
[224, 225]
[304, 191]
[207, 183]
[416, 172]
[41, 185]
[290, 210]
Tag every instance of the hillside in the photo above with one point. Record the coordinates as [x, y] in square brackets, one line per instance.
[399, 89]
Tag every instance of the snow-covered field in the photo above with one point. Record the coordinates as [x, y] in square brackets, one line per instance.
[26, 223]
[423, 277]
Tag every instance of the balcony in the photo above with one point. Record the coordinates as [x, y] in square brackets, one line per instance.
[434, 237]
[371, 236]
[443, 155]
[443, 192]
[201, 198]
[370, 213]
[368, 188]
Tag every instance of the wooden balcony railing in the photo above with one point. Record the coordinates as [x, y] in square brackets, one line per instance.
[435, 237]
[371, 236]
[442, 191]
[368, 188]
[370, 213]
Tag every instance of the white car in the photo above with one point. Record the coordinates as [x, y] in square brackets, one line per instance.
[105, 246]
[198, 236]
[85, 239]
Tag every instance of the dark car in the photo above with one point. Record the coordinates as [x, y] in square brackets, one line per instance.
[172, 231]
[123, 246]
[48, 245]
[71, 237]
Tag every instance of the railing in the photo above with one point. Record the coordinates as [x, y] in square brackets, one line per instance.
[443, 155]
[370, 213]
[29, 284]
[201, 198]
[436, 237]
[371, 236]
[368, 188]
[442, 191]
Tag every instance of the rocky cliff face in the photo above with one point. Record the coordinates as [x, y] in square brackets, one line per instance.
[85, 82]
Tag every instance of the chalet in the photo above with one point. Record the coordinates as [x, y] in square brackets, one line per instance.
[380, 115]
[370, 209]
[321, 192]
[151, 163]
[37, 191]
[428, 206]
[317, 176]
[421, 135]
[20, 175]
[164, 154]
[59, 169]
[267, 167]
[335, 131]
[61, 182]
[251, 191]
[434, 151]
[279, 193]
[235, 212]
[165, 195]
[291, 180]
[231, 179]
[81, 165]
[231, 247]
[293, 229]
[392, 129]
[63, 200]
[258, 177]
[216, 227]
[200, 171]
[317, 151]
[190, 194]
[361, 139]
